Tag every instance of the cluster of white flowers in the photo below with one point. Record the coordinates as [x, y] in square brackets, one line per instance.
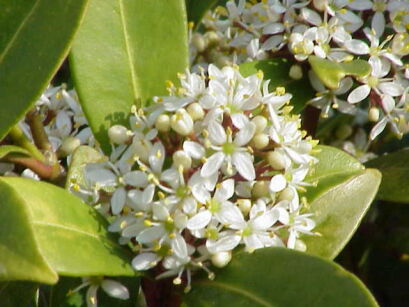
[337, 30]
[216, 165]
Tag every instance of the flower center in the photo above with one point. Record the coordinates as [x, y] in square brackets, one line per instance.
[229, 148]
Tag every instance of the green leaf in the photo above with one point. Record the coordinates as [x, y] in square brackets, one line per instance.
[17, 294]
[344, 193]
[277, 71]
[196, 9]
[45, 230]
[35, 37]
[6, 150]
[331, 73]
[280, 277]
[395, 173]
[123, 54]
[82, 156]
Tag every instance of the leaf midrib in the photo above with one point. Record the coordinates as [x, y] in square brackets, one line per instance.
[236, 290]
[20, 27]
[128, 51]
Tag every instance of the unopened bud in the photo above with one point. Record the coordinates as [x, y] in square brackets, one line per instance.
[300, 245]
[295, 72]
[286, 194]
[182, 123]
[221, 259]
[373, 114]
[212, 38]
[244, 205]
[343, 132]
[195, 111]
[222, 61]
[162, 123]
[260, 140]
[68, 146]
[319, 4]
[260, 189]
[119, 134]
[276, 160]
[198, 42]
[260, 122]
[180, 158]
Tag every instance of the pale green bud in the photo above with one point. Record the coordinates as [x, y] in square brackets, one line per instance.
[68, 146]
[195, 111]
[260, 189]
[343, 132]
[198, 42]
[295, 72]
[260, 140]
[286, 194]
[244, 205]
[162, 123]
[180, 158]
[260, 122]
[373, 114]
[221, 259]
[276, 160]
[119, 134]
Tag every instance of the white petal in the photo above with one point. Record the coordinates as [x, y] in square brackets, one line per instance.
[388, 103]
[231, 215]
[193, 149]
[359, 94]
[277, 183]
[157, 156]
[200, 193]
[311, 16]
[253, 242]
[391, 88]
[272, 42]
[245, 134]
[244, 165]
[378, 128]
[145, 261]
[225, 191]
[92, 296]
[136, 178]
[239, 120]
[273, 28]
[63, 123]
[378, 23]
[115, 289]
[217, 135]
[225, 243]
[212, 165]
[200, 220]
[160, 212]
[101, 176]
[118, 201]
[356, 46]
[151, 234]
[189, 205]
[147, 195]
[179, 247]
[265, 220]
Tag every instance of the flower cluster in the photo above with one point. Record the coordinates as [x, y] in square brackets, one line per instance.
[217, 164]
[337, 30]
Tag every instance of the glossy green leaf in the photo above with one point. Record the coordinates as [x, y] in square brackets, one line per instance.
[17, 293]
[196, 9]
[277, 71]
[395, 174]
[6, 150]
[123, 54]
[339, 201]
[280, 277]
[35, 37]
[45, 230]
[82, 156]
[331, 73]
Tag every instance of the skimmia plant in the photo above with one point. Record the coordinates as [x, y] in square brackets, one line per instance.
[201, 152]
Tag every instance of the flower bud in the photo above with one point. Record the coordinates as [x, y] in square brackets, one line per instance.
[244, 205]
[300, 245]
[198, 42]
[373, 114]
[162, 123]
[182, 123]
[295, 72]
[222, 61]
[286, 194]
[221, 259]
[119, 134]
[260, 122]
[180, 158]
[212, 38]
[260, 189]
[305, 147]
[68, 146]
[319, 4]
[195, 111]
[343, 132]
[276, 160]
[260, 140]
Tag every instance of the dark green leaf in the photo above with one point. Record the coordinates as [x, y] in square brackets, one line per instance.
[331, 73]
[17, 293]
[123, 54]
[196, 9]
[344, 193]
[277, 71]
[35, 37]
[45, 230]
[280, 277]
[395, 173]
